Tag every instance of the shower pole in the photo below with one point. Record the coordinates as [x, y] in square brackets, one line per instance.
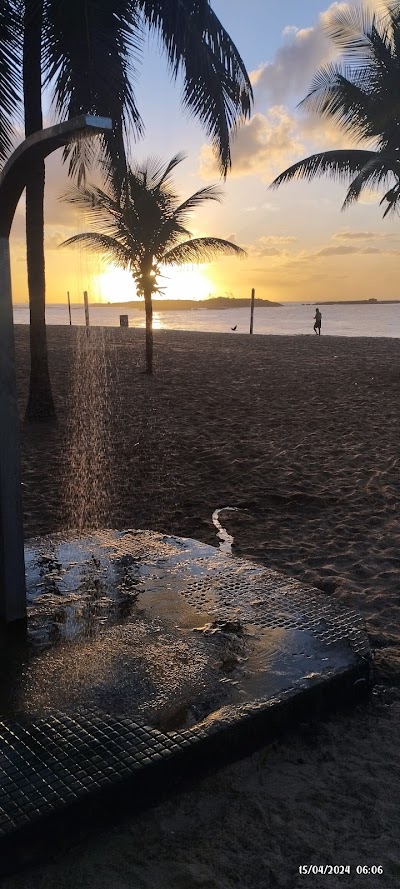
[13, 180]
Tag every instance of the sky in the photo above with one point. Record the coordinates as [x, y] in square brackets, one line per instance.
[300, 246]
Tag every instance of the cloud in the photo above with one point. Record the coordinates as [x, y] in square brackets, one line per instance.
[304, 51]
[261, 147]
[271, 245]
[267, 251]
[347, 250]
[369, 196]
[322, 134]
[271, 208]
[366, 236]
[356, 236]
[337, 251]
[53, 239]
[288, 78]
[273, 139]
[270, 142]
[295, 63]
[281, 239]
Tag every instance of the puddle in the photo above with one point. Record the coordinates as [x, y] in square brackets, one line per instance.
[162, 629]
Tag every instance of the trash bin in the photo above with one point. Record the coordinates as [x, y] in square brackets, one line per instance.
[123, 321]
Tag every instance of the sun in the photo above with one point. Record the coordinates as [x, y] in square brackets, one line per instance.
[115, 286]
[187, 282]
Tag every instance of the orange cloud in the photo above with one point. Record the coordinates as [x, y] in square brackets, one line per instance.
[261, 146]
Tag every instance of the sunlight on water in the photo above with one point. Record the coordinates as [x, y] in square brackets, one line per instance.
[88, 444]
[158, 321]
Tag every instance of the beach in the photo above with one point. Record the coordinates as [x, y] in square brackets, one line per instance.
[301, 435]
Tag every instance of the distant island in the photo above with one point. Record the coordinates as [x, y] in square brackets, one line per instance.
[179, 305]
[353, 302]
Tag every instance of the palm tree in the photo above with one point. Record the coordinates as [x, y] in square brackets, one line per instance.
[361, 95]
[86, 52]
[142, 228]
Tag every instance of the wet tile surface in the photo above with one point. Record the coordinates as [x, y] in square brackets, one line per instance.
[147, 654]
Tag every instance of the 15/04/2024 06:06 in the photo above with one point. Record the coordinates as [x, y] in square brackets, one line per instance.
[339, 869]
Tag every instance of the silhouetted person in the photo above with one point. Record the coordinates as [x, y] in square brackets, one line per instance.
[317, 322]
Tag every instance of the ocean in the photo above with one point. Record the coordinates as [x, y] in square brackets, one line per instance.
[292, 318]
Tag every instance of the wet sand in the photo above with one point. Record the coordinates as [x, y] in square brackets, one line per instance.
[301, 434]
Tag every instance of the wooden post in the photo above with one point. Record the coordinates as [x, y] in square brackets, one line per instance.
[69, 308]
[86, 301]
[253, 292]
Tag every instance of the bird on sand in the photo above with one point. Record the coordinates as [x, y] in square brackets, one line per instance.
[234, 328]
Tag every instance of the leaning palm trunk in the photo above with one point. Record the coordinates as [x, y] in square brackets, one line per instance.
[148, 306]
[40, 401]
[40, 405]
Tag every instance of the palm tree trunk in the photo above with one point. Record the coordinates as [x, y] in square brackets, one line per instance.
[148, 305]
[40, 400]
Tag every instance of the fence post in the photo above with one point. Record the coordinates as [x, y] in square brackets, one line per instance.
[86, 301]
[252, 310]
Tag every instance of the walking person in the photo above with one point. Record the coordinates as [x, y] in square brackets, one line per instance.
[317, 322]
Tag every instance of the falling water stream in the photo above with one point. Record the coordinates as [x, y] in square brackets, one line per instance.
[88, 445]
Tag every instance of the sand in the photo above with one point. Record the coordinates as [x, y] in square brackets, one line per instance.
[301, 434]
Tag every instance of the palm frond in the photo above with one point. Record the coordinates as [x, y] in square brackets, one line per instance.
[350, 27]
[156, 172]
[111, 248]
[340, 93]
[392, 198]
[168, 235]
[209, 193]
[97, 204]
[200, 250]
[360, 93]
[217, 88]
[340, 165]
[81, 36]
[105, 40]
[10, 73]
[81, 154]
[377, 172]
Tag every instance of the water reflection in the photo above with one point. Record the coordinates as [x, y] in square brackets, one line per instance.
[158, 321]
[71, 600]
[226, 540]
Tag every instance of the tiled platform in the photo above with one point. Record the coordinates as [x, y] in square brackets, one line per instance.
[148, 657]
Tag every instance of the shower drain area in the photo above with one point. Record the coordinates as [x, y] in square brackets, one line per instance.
[145, 655]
